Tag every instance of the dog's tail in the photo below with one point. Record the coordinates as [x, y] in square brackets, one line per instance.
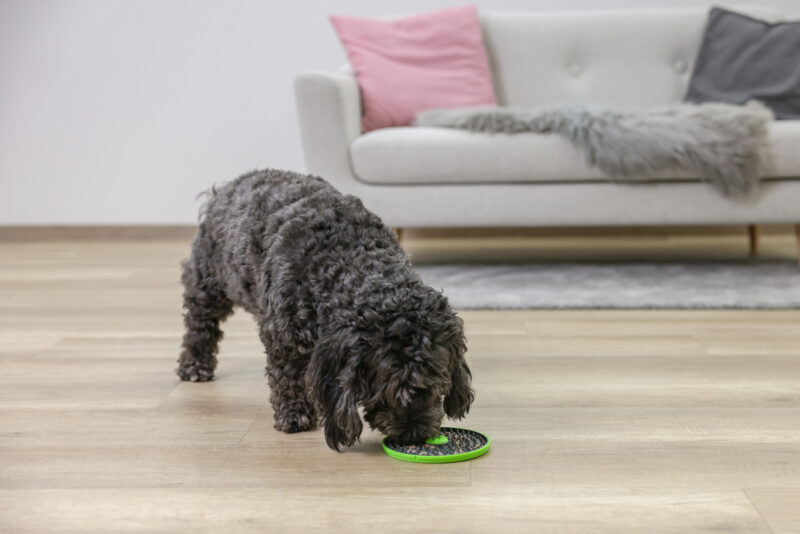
[206, 197]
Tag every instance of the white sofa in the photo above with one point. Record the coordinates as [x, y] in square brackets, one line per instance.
[427, 177]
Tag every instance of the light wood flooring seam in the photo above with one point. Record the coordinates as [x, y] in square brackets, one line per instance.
[755, 506]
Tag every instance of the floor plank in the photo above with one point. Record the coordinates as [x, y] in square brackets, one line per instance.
[541, 508]
[779, 507]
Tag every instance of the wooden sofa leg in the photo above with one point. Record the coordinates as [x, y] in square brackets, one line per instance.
[752, 231]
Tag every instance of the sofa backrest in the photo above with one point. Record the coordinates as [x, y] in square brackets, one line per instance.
[624, 58]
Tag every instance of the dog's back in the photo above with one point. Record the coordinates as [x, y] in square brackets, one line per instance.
[268, 229]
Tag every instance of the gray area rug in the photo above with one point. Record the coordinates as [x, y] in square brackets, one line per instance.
[730, 285]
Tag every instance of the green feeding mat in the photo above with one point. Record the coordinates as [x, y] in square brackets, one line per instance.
[453, 445]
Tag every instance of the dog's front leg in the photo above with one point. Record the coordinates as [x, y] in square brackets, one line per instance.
[286, 377]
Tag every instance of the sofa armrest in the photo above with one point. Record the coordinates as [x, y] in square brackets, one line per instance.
[329, 109]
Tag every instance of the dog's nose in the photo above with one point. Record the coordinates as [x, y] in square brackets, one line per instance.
[418, 435]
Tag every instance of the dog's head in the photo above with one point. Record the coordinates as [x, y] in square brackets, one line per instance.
[406, 370]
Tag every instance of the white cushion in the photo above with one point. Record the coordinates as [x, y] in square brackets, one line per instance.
[444, 156]
[617, 58]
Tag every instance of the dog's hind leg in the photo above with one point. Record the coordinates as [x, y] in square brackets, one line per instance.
[205, 305]
[286, 370]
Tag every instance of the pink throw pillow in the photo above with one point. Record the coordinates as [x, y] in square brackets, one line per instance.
[407, 65]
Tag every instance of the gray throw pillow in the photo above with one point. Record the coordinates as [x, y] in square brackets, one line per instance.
[742, 58]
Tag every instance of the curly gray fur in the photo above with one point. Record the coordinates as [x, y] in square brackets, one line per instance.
[724, 144]
[344, 319]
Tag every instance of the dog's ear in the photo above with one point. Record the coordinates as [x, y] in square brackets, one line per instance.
[342, 423]
[332, 385]
[461, 395]
[458, 400]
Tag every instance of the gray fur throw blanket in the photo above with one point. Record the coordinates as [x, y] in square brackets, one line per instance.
[724, 144]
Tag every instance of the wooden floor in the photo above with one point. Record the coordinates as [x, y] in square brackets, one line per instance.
[601, 421]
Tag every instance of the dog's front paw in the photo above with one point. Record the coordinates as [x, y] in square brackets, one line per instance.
[194, 373]
[294, 423]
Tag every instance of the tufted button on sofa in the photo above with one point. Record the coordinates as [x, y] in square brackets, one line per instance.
[428, 177]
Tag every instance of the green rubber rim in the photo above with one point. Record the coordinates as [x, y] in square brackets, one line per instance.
[439, 459]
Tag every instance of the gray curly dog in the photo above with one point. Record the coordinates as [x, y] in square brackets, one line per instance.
[344, 319]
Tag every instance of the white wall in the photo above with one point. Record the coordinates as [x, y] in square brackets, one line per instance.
[121, 111]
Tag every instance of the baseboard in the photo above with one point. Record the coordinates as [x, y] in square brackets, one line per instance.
[154, 232]
[591, 231]
[180, 232]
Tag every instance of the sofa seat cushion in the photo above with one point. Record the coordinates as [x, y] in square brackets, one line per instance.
[443, 156]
